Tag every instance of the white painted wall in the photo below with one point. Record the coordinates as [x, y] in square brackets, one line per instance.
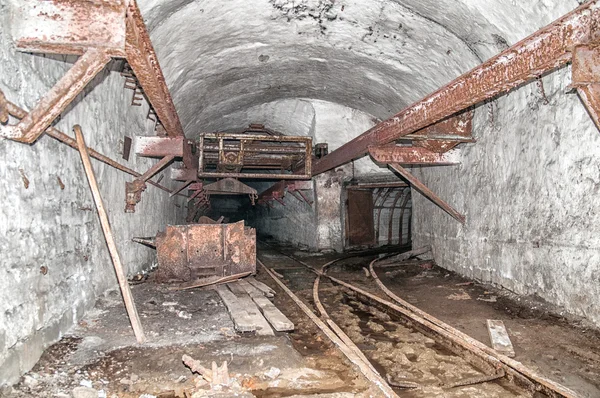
[528, 189]
[46, 225]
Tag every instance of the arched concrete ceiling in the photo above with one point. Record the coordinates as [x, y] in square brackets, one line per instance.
[227, 58]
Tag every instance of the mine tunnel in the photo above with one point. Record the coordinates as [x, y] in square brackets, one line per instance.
[308, 198]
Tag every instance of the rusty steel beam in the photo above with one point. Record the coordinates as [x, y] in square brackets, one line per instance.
[20, 113]
[71, 27]
[412, 155]
[58, 98]
[543, 51]
[375, 185]
[428, 193]
[159, 147]
[260, 176]
[586, 79]
[144, 63]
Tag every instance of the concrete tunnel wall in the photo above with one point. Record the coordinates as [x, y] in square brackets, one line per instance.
[325, 68]
[271, 60]
[48, 217]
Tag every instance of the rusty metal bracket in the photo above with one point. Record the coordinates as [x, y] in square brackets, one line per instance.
[134, 189]
[586, 79]
[58, 98]
[428, 193]
[413, 155]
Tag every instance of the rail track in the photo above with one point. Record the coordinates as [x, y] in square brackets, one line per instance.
[480, 370]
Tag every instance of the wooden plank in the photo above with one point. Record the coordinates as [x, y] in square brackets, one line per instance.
[266, 290]
[246, 304]
[241, 319]
[499, 338]
[276, 318]
[110, 240]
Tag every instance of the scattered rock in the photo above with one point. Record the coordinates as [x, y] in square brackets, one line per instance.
[272, 373]
[85, 383]
[84, 392]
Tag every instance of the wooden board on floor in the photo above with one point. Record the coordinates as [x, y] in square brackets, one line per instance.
[275, 317]
[241, 320]
[246, 304]
[267, 291]
[499, 337]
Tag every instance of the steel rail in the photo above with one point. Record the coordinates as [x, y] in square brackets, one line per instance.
[475, 352]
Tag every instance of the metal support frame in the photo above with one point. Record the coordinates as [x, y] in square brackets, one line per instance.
[97, 31]
[19, 113]
[239, 155]
[144, 62]
[428, 193]
[134, 189]
[543, 51]
[58, 98]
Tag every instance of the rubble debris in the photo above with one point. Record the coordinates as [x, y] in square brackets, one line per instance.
[499, 338]
[216, 376]
[84, 392]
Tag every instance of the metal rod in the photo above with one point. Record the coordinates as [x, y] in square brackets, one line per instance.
[20, 113]
[157, 167]
[428, 193]
[110, 240]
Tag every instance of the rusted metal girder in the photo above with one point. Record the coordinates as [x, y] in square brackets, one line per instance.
[71, 27]
[58, 98]
[543, 51]
[412, 155]
[96, 30]
[586, 79]
[428, 193]
[142, 59]
[19, 113]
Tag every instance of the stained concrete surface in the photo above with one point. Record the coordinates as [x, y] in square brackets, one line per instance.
[102, 353]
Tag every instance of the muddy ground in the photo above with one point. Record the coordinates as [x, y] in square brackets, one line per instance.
[101, 352]
[562, 349]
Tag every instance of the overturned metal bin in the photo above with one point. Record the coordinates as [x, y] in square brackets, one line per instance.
[199, 251]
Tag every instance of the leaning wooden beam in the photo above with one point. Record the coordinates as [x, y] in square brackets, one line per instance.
[144, 62]
[58, 98]
[428, 193]
[365, 369]
[110, 240]
[20, 113]
[543, 51]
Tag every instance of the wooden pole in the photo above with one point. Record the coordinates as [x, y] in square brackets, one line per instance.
[110, 241]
